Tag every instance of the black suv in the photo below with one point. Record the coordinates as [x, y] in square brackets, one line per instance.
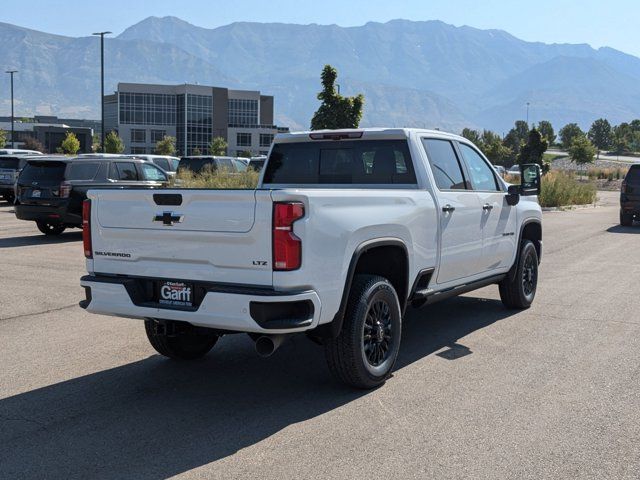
[630, 196]
[50, 191]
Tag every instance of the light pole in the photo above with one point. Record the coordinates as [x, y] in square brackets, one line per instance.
[101, 35]
[527, 114]
[13, 133]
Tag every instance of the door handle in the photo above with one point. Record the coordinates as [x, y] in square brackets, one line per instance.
[448, 208]
[486, 207]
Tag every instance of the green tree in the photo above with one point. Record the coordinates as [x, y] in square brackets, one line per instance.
[32, 143]
[70, 145]
[533, 150]
[546, 130]
[113, 143]
[218, 146]
[3, 138]
[568, 133]
[166, 146]
[581, 150]
[517, 136]
[601, 134]
[336, 111]
[493, 148]
[471, 135]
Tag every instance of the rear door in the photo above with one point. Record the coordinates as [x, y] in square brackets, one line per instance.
[459, 210]
[498, 221]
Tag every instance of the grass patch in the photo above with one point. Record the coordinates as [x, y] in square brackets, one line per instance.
[216, 179]
[607, 173]
[561, 189]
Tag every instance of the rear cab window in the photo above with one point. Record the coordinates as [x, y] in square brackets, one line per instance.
[342, 162]
[10, 163]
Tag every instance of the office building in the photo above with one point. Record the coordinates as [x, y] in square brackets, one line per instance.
[143, 114]
[49, 131]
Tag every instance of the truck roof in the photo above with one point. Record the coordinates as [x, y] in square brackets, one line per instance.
[360, 133]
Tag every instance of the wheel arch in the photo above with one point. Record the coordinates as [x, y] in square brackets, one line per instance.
[387, 257]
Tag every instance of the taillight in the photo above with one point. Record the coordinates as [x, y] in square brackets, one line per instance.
[65, 190]
[86, 228]
[287, 248]
[624, 186]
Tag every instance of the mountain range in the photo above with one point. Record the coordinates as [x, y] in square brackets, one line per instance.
[425, 74]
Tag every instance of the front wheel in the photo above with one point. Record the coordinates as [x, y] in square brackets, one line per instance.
[365, 351]
[178, 340]
[518, 291]
[49, 228]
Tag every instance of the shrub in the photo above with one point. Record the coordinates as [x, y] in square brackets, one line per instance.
[560, 189]
[216, 179]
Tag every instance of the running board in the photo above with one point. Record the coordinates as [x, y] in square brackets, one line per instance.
[429, 295]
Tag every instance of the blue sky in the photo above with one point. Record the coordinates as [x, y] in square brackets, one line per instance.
[612, 23]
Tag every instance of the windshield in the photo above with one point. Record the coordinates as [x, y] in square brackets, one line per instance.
[44, 173]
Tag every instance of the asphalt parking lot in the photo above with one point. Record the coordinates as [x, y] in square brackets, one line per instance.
[478, 392]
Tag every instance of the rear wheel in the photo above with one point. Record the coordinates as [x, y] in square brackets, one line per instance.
[49, 228]
[518, 291]
[365, 351]
[626, 219]
[179, 340]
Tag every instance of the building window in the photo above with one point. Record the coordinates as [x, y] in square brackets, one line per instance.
[147, 108]
[138, 150]
[157, 135]
[243, 139]
[138, 135]
[243, 113]
[266, 139]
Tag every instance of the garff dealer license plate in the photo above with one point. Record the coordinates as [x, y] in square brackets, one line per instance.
[175, 294]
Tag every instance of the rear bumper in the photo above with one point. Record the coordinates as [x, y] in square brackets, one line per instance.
[49, 213]
[233, 308]
[630, 205]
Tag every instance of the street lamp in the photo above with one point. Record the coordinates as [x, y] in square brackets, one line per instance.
[13, 133]
[101, 35]
[527, 114]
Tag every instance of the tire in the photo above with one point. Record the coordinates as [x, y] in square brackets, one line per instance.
[50, 228]
[8, 197]
[519, 293]
[365, 352]
[626, 219]
[184, 343]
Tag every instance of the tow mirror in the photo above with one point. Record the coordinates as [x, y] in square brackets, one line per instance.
[530, 179]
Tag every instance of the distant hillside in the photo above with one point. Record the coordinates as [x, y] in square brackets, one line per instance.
[412, 73]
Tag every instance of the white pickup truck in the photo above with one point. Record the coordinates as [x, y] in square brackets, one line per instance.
[346, 229]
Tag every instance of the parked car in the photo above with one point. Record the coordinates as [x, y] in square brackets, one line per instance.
[500, 169]
[514, 171]
[50, 191]
[346, 229]
[630, 196]
[166, 162]
[10, 166]
[256, 163]
[197, 163]
[18, 151]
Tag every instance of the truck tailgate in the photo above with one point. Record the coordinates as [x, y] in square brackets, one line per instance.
[201, 235]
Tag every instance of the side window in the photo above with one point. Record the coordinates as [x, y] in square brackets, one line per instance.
[444, 164]
[123, 171]
[162, 163]
[152, 173]
[482, 177]
[82, 171]
[225, 164]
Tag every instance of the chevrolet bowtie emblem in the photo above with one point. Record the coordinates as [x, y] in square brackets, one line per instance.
[168, 218]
